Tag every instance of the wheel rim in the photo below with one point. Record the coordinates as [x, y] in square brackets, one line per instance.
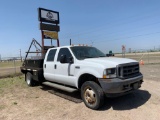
[28, 80]
[90, 96]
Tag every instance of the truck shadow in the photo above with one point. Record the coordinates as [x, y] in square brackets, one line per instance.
[127, 102]
[73, 96]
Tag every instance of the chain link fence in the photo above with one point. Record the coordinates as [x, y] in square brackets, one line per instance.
[10, 67]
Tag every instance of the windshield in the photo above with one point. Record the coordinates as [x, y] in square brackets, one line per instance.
[82, 52]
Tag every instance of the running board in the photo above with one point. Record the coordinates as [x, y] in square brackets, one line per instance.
[61, 87]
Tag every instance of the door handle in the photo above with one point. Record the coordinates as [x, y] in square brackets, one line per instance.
[44, 65]
[55, 66]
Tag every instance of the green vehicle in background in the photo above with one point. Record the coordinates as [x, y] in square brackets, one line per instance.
[110, 53]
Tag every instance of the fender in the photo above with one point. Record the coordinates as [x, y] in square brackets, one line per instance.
[94, 72]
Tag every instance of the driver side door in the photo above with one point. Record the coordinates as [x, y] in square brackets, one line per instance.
[64, 71]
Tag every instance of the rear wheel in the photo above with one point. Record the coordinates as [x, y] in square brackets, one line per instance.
[92, 95]
[29, 79]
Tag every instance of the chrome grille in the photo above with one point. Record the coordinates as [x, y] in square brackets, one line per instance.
[129, 70]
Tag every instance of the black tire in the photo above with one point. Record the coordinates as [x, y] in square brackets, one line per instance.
[29, 80]
[92, 95]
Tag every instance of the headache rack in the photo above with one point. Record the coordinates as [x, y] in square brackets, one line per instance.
[128, 70]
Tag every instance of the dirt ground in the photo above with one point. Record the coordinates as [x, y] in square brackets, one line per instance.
[29, 103]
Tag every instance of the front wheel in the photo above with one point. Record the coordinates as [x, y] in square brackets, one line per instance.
[92, 95]
[29, 80]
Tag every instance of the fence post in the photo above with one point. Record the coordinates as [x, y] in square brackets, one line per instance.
[148, 57]
[14, 66]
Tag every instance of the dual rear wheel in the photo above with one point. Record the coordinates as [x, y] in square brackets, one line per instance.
[29, 79]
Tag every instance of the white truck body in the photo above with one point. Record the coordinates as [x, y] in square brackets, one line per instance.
[93, 66]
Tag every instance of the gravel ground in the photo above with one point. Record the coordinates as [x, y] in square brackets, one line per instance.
[151, 71]
[22, 102]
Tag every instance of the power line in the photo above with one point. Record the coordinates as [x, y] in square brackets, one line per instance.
[95, 29]
[141, 28]
[129, 37]
[78, 35]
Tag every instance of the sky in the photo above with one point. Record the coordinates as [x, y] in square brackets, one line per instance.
[105, 24]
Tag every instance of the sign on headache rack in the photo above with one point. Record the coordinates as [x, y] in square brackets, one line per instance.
[50, 35]
[48, 16]
[49, 26]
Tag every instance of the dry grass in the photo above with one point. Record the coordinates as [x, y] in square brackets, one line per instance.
[8, 84]
[10, 64]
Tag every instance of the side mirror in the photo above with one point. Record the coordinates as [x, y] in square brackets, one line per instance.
[63, 59]
[71, 60]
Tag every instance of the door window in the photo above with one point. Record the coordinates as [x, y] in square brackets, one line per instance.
[64, 51]
[51, 55]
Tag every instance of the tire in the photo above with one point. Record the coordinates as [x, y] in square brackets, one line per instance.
[92, 95]
[29, 80]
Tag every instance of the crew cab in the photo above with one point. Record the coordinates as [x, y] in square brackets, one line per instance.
[87, 69]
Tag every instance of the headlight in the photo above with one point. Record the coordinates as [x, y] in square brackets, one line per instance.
[109, 73]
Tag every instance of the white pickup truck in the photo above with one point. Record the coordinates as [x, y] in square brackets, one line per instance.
[87, 69]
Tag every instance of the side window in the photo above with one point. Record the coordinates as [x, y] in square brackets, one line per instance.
[64, 51]
[51, 55]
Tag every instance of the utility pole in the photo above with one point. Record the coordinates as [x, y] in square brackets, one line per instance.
[0, 57]
[70, 42]
[20, 55]
[92, 42]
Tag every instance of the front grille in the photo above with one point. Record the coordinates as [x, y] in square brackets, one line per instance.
[128, 70]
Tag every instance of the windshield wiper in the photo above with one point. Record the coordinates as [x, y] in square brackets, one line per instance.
[88, 57]
[102, 56]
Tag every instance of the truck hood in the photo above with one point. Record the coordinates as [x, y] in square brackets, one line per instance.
[109, 61]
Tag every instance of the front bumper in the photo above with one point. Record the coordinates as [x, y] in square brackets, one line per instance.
[116, 87]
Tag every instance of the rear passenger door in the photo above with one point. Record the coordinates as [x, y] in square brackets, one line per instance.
[49, 65]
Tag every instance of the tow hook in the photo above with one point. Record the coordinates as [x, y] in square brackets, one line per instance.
[126, 87]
